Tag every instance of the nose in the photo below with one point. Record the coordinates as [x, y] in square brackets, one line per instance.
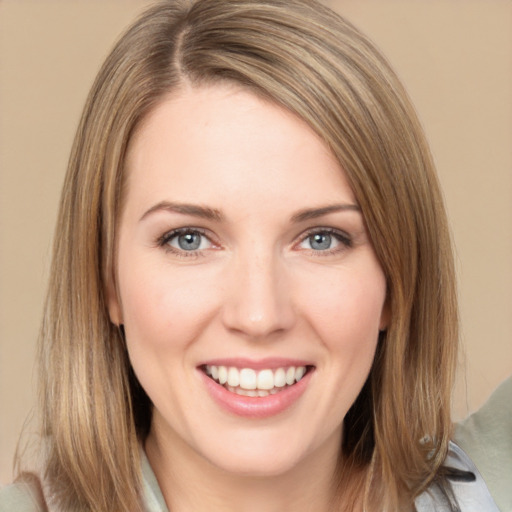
[258, 299]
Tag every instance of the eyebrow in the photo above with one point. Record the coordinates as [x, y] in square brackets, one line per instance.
[186, 209]
[205, 212]
[314, 213]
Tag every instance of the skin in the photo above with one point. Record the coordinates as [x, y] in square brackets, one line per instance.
[257, 287]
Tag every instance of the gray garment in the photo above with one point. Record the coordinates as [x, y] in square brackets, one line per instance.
[21, 497]
[469, 494]
[486, 436]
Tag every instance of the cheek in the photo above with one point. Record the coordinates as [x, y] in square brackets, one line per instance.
[345, 316]
[163, 307]
[164, 312]
[346, 310]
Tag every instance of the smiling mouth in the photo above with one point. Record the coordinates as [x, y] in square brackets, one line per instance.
[256, 383]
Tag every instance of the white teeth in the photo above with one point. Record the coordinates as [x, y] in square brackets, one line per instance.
[249, 382]
[265, 379]
[290, 376]
[223, 374]
[248, 378]
[233, 377]
[299, 373]
[280, 378]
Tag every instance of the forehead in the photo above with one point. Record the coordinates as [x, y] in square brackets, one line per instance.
[219, 142]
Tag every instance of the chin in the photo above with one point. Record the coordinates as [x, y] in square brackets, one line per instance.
[257, 456]
[256, 466]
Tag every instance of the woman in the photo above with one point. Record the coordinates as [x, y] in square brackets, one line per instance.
[252, 301]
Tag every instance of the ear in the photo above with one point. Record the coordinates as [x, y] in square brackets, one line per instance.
[113, 304]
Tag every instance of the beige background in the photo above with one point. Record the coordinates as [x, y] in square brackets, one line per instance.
[456, 60]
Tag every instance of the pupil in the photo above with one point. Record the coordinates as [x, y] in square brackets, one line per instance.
[321, 241]
[190, 241]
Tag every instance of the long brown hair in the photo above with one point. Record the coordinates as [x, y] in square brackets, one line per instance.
[300, 55]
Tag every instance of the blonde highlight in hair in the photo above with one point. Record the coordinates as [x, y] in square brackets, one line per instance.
[302, 56]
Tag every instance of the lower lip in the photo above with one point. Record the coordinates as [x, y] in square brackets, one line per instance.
[256, 407]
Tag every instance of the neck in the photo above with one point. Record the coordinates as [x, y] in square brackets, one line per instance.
[190, 482]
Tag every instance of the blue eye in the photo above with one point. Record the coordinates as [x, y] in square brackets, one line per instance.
[320, 241]
[186, 240]
[189, 241]
[325, 241]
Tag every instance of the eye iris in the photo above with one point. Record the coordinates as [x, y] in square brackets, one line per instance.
[320, 241]
[189, 241]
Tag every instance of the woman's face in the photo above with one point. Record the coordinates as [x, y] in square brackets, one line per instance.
[243, 255]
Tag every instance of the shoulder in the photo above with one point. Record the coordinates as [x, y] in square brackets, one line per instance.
[462, 489]
[486, 436]
[21, 497]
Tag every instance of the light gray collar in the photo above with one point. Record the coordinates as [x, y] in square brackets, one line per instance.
[470, 493]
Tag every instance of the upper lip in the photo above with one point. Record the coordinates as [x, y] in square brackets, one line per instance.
[256, 364]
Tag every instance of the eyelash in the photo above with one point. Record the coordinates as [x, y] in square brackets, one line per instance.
[164, 240]
[343, 238]
[340, 236]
